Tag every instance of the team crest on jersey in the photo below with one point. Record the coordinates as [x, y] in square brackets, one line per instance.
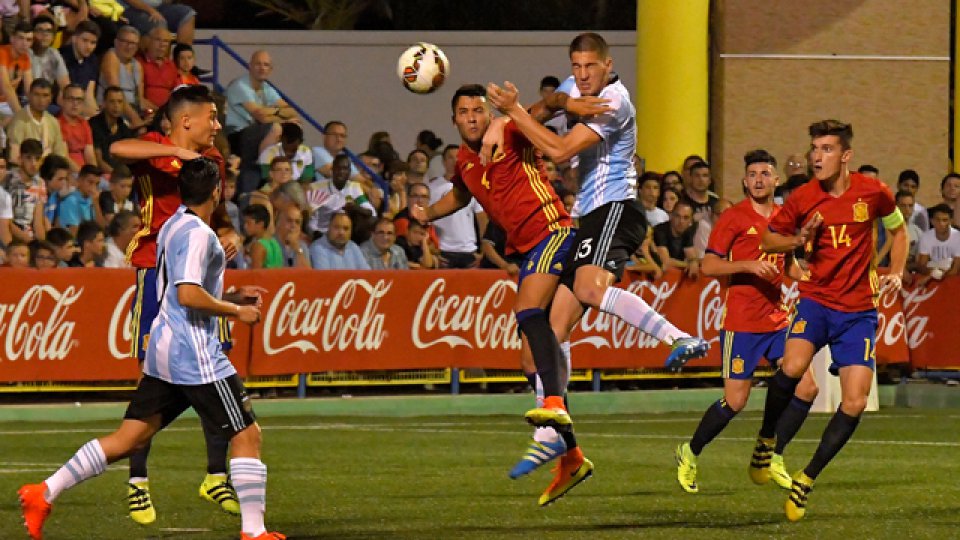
[175, 163]
[737, 366]
[799, 326]
[861, 212]
[752, 231]
[468, 166]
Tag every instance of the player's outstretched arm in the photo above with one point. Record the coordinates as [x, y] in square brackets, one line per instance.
[774, 242]
[900, 246]
[454, 200]
[714, 266]
[193, 296]
[135, 149]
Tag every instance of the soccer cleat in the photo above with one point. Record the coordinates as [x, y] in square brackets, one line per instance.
[217, 490]
[139, 503]
[573, 469]
[548, 417]
[687, 468]
[778, 472]
[265, 536]
[796, 505]
[685, 349]
[538, 453]
[34, 508]
[760, 461]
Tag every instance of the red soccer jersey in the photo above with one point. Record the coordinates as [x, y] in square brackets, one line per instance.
[843, 275]
[753, 304]
[155, 186]
[513, 190]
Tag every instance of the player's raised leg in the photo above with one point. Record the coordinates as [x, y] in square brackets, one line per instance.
[789, 424]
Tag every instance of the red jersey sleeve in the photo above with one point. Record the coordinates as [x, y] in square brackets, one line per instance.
[786, 220]
[886, 204]
[724, 232]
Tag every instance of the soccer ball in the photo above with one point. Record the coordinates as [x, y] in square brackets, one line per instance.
[423, 68]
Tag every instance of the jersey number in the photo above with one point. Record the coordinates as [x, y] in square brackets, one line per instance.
[585, 248]
[839, 236]
[869, 351]
[771, 258]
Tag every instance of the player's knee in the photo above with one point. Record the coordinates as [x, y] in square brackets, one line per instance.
[807, 391]
[853, 406]
[248, 440]
[588, 292]
[736, 402]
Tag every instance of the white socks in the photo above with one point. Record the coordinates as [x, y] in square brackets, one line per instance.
[634, 311]
[249, 478]
[89, 461]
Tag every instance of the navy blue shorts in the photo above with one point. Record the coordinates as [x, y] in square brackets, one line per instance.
[549, 256]
[851, 336]
[742, 351]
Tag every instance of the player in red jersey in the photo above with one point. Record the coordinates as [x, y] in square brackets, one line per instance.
[513, 190]
[157, 160]
[754, 319]
[835, 214]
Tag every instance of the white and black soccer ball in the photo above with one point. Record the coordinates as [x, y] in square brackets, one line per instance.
[422, 68]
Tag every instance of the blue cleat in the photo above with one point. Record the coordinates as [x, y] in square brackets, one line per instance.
[538, 453]
[684, 350]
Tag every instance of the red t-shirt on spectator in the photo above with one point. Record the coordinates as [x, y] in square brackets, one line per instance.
[189, 78]
[159, 79]
[15, 66]
[77, 135]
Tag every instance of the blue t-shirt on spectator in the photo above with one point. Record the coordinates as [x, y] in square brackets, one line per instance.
[324, 256]
[75, 209]
[52, 208]
[241, 91]
[322, 157]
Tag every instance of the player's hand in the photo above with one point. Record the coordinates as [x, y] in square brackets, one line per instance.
[764, 269]
[808, 230]
[419, 213]
[892, 282]
[183, 154]
[250, 295]
[492, 140]
[231, 242]
[248, 314]
[587, 106]
[504, 99]
[513, 269]
[155, 16]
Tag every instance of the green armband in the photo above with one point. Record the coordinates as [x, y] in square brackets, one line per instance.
[894, 220]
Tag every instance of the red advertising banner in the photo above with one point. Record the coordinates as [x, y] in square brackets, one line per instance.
[74, 324]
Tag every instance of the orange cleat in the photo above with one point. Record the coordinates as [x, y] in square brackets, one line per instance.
[34, 508]
[572, 470]
[265, 536]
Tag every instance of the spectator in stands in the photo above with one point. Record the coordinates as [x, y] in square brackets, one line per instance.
[82, 64]
[34, 122]
[570, 179]
[12, 12]
[674, 240]
[42, 256]
[15, 68]
[55, 172]
[146, 15]
[418, 247]
[82, 205]
[120, 68]
[45, 61]
[28, 193]
[334, 142]
[418, 161]
[263, 248]
[229, 191]
[669, 197]
[909, 181]
[869, 170]
[186, 62]
[117, 198]
[160, 74]
[648, 195]
[696, 191]
[63, 244]
[376, 139]
[370, 186]
[457, 233]
[290, 146]
[18, 255]
[552, 175]
[938, 255]
[75, 128]
[334, 250]
[418, 194]
[671, 180]
[121, 230]
[494, 249]
[705, 226]
[381, 250]
[568, 198]
[396, 176]
[6, 209]
[688, 163]
[339, 194]
[108, 15]
[950, 191]
[109, 127]
[429, 144]
[92, 245]
[280, 174]
[905, 202]
[795, 164]
[296, 252]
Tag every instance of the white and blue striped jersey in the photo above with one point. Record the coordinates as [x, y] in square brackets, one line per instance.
[184, 346]
[606, 169]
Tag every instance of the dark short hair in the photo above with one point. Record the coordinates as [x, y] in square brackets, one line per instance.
[682, 202]
[89, 169]
[120, 172]
[40, 84]
[902, 193]
[88, 27]
[190, 94]
[282, 159]
[181, 47]
[59, 237]
[758, 156]
[429, 139]
[908, 174]
[840, 129]
[52, 164]
[412, 185]
[590, 42]
[341, 157]
[87, 231]
[467, 90]
[199, 178]
[699, 165]
[941, 208]
[32, 147]
[258, 213]
[947, 177]
[119, 222]
[867, 168]
[381, 220]
[648, 176]
[23, 27]
[75, 86]
[332, 123]
[549, 82]
[39, 19]
[290, 132]
[417, 151]
[450, 147]
[112, 90]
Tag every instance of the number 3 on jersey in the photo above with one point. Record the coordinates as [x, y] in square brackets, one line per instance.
[839, 236]
[586, 246]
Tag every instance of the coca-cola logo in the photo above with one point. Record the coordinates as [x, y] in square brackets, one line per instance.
[28, 335]
[348, 320]
[473, 321]
[603, 330]
[908, 323]
[119, 335]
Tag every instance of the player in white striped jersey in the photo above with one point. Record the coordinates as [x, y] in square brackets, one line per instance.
[184, 367]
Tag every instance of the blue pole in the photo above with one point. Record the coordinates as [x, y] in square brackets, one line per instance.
[454, 381]
[302, 385]
[596, 380]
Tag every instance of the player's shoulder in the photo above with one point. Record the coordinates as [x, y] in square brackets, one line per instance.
[870, 184]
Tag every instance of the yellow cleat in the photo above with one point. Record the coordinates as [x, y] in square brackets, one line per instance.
[139, 503]
[760, 461]
[544, 417]
[217, 490]
[778, 472]
[687, 468]
[572, 470]
[796, 505]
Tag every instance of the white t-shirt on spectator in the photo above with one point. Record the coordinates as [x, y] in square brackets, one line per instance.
[299, 161]
[325, 200]
[941, 253]
[919, 217]
[655, 216]
[322, 158]
[115, 257]
[457, 232]
[6, 205]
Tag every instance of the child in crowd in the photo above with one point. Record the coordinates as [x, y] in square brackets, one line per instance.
[118, 197]
[63, 244]
[416, 245]
[263, 248]
[18, 255]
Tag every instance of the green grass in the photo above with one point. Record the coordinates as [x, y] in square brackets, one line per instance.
[445, 477]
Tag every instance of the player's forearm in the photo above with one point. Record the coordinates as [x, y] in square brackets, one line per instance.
[772, 242]
[547, 141]
[491, 254]
[194, 297]
[134, 149]
[900, 246]
[447, 205]
[714, 266]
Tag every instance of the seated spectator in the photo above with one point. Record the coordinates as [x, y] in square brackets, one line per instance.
[909, 181]
[64, 246]
[669, 197]
[146, 15]
[6, 212]
[15, 68]
[339, 194]
[418, 247]
[494, 249]
[82, 64]
[34, 122]
[109, 127]
[119, 68]
[28, 194]
[674, 240]
[906, 204]
[160, 74]
[229, 191]
[950, 192]
[396, 176]
[418, 194]
[869, 170]
[334, 250]
[939, 253]
[671, 180]
[118, 197]
[18, 255]
[334, 142]
[42, 256]
[375, 139]
[418, 161]
[45, 61]
[83, 204]
[264, 250]
[795, 164]
[107, 14]
[569, 199]
[291, 147]
[280, 174]
[55, 172]
[697, 191]
[553, 175]
[75, 128]
[121, 230]
[648, 195]
[457, 233]
[370, 186]
[381, 250]
[705, 226]
[92, 246]
[296, 252]
[185, 60]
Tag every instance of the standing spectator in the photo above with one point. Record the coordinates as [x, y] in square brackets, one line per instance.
[417, 247]
[688, 163]
[296, 252]
[34, 122]
[146, 15]
[905, 202]
[92, 245]
[121, 230]
[117, 198]
[264, 249]
[15, 67]
[290, 146]
[119, 68]
[185, 60]
[696, 191]
[63, 244]
[429, 143]
[335, 250]
[160, 74]
[419, 161]
[18, 255]
[457, 232]
[381, 250]
[417, 194]
[45, 61]
[82, 64]
[54, 172]
[396, 176]
[28, 193]
[648, 196]
[939, 253]
[75, 128]
[82, 205]
[671, 180]
[705, 226]
[334, 142]
[109, 127]
[669, 197]
[42, 255]
[674, 240]
[339, 194]
[909, 181]
[950, 191]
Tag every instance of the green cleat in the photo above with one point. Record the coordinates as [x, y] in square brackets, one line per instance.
[687, 468]
[139, 504]
[760, 461]
[796, 505]
[216, 489]
[544, 417]
[778, 472]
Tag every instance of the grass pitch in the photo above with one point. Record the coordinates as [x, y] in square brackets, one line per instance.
[446, 477]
